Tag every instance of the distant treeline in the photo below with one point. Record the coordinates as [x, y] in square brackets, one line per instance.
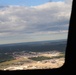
[7, 50]
[36, 48]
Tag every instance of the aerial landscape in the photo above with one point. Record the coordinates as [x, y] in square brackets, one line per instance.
[32, 55]
[33, 34]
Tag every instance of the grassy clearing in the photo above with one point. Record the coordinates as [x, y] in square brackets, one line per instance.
[11, 62]
[40, 58]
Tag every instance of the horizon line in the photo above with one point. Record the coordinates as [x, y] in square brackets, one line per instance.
[32, 41]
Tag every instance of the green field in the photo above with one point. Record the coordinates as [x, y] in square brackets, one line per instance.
[12, 62]
[40, 58]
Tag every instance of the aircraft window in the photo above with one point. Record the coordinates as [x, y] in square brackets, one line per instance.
[33, 33]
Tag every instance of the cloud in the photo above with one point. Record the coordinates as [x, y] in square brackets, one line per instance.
[48, 18]
[68, 1]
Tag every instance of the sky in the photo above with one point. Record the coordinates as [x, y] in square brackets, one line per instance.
[34, 20]
[25, 2]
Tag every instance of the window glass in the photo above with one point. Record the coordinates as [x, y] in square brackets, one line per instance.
[33, 33]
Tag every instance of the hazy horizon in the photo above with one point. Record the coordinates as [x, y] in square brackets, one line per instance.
[33, 41]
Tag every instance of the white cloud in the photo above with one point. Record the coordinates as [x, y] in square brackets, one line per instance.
[49, 18]
[68, 1]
